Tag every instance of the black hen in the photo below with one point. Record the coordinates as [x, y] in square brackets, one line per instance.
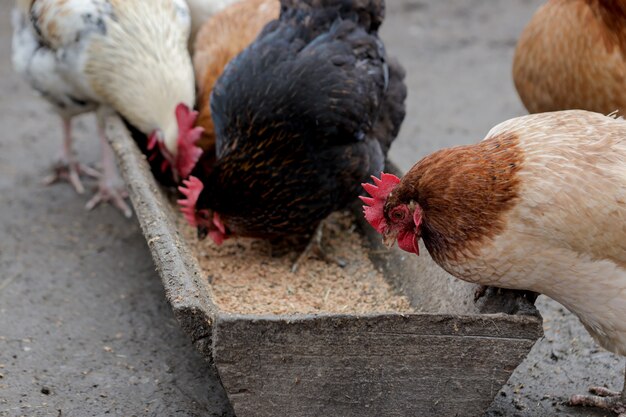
[303, 116]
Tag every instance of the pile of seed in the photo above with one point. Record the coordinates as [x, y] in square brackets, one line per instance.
[246, 278]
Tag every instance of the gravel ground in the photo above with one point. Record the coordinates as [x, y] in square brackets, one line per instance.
[84, 327]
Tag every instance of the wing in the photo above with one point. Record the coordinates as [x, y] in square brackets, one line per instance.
[328, 91]
[60, 24]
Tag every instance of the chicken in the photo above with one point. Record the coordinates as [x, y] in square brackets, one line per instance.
[301, 114]
[538, 205]
[572, 55]
[220, 39]
[124, 56]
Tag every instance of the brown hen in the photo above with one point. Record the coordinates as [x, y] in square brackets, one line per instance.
[220, 39]
[572, 55]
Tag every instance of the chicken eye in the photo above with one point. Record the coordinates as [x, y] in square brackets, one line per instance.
[203, 214]
[398, 215]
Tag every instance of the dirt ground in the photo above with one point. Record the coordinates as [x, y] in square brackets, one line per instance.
[84, 327]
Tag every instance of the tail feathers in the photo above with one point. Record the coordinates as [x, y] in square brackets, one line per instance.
[369, 13]
[393, 109]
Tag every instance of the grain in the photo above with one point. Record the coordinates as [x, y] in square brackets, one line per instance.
[246, 279]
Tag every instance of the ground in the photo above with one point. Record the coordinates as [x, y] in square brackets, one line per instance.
[84, 326]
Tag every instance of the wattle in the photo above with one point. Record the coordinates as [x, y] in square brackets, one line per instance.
[408, 241]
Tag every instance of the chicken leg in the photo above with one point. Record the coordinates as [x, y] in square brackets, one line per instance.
[314, 247]
[109, 188]
[603, 398]
[68, 168]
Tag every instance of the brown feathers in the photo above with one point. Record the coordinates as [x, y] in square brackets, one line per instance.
[222, 38]
[572, 55]
[611, 13]
[464, 193]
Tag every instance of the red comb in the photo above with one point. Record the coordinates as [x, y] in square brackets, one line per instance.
[375, 204]
[191, 189]
[188, 153]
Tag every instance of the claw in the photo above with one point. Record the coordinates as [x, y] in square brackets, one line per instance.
[314, 247]
[603, 392]
[108, 194]
[70, 172]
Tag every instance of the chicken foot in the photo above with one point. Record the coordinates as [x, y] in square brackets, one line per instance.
[109, 189]
[603, 398]
[68, 168]
[314, 247]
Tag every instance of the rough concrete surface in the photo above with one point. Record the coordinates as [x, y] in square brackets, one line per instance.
[84, 328]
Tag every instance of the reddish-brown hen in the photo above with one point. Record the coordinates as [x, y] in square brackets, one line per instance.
[572, 55]
[538, 205]
[219, 40]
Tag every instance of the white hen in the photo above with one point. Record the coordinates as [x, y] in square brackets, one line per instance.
[127, 56]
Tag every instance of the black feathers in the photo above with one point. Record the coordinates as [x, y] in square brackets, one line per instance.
[303, 116]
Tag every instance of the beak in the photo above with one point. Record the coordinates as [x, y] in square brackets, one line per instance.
[389, 239]
[203, 232]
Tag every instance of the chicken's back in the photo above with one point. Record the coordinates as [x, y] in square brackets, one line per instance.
[573, 180]
[572, 55]
[220, 39]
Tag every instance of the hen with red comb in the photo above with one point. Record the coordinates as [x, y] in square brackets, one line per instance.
[536, 206]
[302, 116]
[125, 57]
[207, 222]
[191, 189]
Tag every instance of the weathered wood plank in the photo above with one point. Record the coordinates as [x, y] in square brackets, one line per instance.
[184, 286]
[391, 365]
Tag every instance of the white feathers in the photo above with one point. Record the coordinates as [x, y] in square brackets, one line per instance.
[130, 55]
[46, 63]
[148, 40]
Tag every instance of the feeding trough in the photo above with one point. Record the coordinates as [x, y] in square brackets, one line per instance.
[440, 354]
